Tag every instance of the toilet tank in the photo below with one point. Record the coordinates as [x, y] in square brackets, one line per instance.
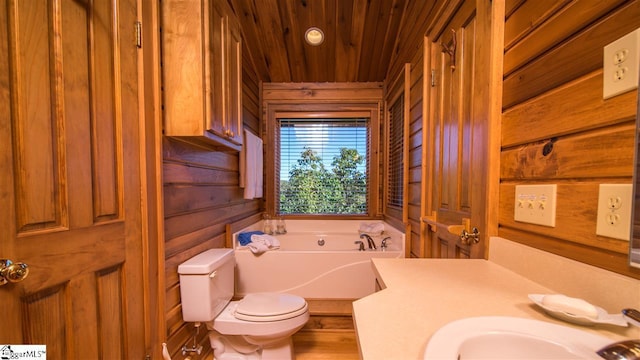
[206, 284]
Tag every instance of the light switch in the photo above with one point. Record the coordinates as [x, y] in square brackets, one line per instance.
[536, 204]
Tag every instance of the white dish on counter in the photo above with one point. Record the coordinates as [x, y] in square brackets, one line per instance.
[603, 316]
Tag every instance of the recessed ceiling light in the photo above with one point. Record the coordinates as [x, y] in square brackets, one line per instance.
[314, 36]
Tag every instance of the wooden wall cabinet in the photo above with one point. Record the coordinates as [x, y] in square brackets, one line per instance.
[202, 73]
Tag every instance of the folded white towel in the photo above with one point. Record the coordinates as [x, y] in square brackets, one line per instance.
[270, 241]
[371, 228]
[257, 248]
[261, 243]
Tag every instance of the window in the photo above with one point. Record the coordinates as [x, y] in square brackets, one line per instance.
[322, 166]
[396, 144]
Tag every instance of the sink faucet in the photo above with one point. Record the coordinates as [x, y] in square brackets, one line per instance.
[370, 242]
[622, 350]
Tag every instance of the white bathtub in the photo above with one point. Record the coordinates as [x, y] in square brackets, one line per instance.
[335, 270]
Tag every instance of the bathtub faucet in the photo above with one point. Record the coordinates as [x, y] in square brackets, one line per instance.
[383, 244]
[372, 245]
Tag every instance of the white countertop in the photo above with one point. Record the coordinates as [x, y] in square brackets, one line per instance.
[422, 295]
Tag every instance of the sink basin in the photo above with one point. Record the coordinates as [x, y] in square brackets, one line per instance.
[497, 337]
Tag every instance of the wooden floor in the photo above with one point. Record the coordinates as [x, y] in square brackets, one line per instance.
[328, 335]
[329, 344]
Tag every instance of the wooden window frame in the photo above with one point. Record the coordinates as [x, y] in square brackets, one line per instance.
[323, 100]
[322, 112]
[400, 86]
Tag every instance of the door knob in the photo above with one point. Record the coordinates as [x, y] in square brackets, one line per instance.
[467, 235]
[469, 238]
[12, 272]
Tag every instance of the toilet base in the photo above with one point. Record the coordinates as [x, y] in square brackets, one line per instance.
[234, 347]
[282, 350]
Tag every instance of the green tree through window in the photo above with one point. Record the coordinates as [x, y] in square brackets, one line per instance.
[315, 186]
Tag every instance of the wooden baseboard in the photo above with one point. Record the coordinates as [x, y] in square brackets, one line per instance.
[330, 307]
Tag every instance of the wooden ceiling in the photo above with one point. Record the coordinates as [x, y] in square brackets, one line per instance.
[360, 38]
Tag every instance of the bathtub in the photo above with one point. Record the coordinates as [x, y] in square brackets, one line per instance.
[317, 259]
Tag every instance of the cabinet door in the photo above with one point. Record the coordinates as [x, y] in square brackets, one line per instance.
[197, 100]
[233, 119]
[215, 71]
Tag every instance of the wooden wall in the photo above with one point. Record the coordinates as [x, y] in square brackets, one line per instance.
[552, 91]
[410, 49]
[553, 95]
[416, 199]
[201, 196]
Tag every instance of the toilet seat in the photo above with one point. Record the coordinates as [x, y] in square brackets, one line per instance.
[229, 322]
[270, 307]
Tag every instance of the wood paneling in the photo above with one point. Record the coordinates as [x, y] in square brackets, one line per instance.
[360, 38]
[575, 156]
[553, 96]
[410, 38]
[581, 109]
[575, 56]
[544, 26]
[415, 157]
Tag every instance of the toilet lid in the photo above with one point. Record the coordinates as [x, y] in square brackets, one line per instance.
[270, 307]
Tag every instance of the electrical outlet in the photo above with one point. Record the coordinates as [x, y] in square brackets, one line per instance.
[614, 211]
[536, 204]
[620, 65]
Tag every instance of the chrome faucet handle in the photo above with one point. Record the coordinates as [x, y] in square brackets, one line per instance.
[383, 244]
[632, 316]
[622, 350]
[361, 245]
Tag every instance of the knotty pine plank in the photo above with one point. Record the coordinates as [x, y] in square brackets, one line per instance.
[572, 108]
[575, 57]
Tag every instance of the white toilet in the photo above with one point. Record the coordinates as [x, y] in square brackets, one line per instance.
[259, 326]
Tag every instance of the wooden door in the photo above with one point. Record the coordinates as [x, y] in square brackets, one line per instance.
[464, 65]
[70, 178]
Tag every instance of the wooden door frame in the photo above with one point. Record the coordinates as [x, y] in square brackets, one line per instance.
[153, 249]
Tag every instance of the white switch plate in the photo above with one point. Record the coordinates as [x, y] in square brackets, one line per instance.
[614, 211]
[536, 204]
[620, 65]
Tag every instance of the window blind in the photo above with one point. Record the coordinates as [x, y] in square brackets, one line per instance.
[396, 157]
